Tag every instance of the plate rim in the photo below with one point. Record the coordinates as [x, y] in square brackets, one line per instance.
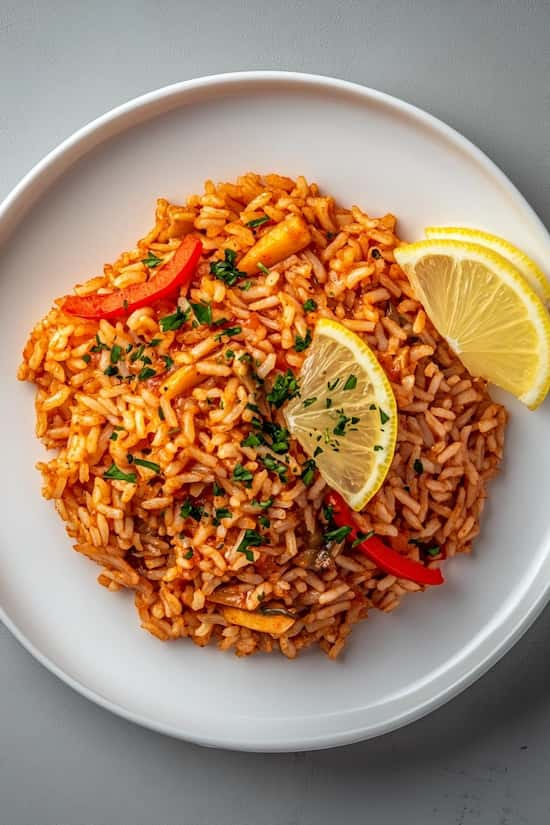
[39, 179]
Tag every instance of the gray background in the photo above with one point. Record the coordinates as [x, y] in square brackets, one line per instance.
[484, 67]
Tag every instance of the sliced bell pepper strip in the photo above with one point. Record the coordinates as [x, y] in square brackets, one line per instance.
[386, 558]
[176, 272]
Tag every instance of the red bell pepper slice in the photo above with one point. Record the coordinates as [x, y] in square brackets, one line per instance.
[177, 271]
[386, 558]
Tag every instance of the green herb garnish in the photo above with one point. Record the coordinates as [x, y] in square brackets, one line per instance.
[310, 305]
[161, 414]
[309, 401]
[264, 268]
[146, 373]
[252, 440]
[135, 356]
[229, 354]
[149, 465]
[418, 467]
[217, 490]
[377, 448]
[258, 221]
[384, 417]
[219, 513]
[174, 321]
[263, 504]
[119, 475]
[337, 535]
[155, 342]
[351, 382]
[99, 346]
[168, 362]
[285, 387]
[275, 467]
[189, 509]
[243, 475]
[188, 555]
[361, 537]
[308, 472]
[375, 253]
[333, 384]
[87, 358]
[251, 538]
[151, 260]
[301, 344]
[111, 370]
[264, 521]
[229, 331]
[246, 286]
[203, 313]
[226, 270]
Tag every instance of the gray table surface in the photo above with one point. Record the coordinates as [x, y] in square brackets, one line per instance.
[484, 67]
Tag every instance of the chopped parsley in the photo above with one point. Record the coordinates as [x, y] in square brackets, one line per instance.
[99, 345]
[161, 414]
[264, 268]
[418, 467]
[155, 342]
[361, 537]
[217, 490]
[253, 408]
[135, 356]
[87, 358]
[301, 344]
[328, 403]
[310, 305]
[149, 465]
[189, 509]
[308, 472]
[113, 437]
[285, 387]
[433, 551]
[264, 521]
[219, 513]
[226, 270]
[146, 373]
[246, 286]
[337, 535]
[252, 440]
[333, 384]
[343, 422]
[111, 370]
[317, 451]
[384, 417]
[168, 362]
[229, 331]
[203, 313]
[275, 467]
[351, 382]
[174, 321]
[188, 555]
[377, 448]
[258, 221]
[251, 538]
[279, 436]
[240, 473]
[246, 358]
[117, 474]
[375, 253]
[151, 260]
[309, 401]
[263, 504]
[229, 354]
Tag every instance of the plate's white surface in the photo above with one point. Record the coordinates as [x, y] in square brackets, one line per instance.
[91, 199]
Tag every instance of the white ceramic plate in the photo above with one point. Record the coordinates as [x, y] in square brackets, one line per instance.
[90, 199]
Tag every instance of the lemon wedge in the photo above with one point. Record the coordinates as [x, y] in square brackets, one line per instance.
[534, 276]
[346, 416]
[486, 310]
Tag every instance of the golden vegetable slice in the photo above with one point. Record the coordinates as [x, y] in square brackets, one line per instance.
[275, 625]
[286, 238]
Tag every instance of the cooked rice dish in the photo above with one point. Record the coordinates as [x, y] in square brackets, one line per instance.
[173, 467]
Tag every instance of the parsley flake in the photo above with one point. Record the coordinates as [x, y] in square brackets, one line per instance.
[117, 474]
